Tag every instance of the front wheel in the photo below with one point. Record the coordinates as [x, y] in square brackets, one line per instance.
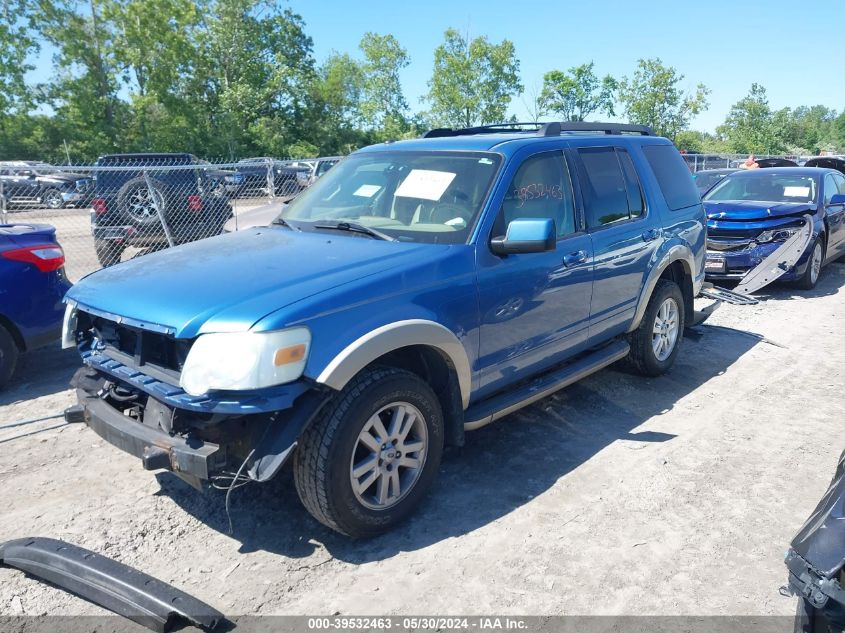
[53, 199]
[366, 463]
[657, 340]
[810, 277]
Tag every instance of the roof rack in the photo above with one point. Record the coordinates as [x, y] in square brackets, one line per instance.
[554, 128]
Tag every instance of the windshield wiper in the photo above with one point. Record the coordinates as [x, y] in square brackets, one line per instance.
[354, 227]
[280, 221]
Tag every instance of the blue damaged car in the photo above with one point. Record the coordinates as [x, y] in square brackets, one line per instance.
[418, 290]
[751, 213]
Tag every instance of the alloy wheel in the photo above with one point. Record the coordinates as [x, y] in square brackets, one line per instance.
[665, 330]
[142, 205]
[816, 263]
[389, 456]
[53, 200]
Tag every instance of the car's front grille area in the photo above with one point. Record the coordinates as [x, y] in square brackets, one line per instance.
[152, 353]
[719, 244]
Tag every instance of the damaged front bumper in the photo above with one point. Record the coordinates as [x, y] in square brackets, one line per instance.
[197, 438]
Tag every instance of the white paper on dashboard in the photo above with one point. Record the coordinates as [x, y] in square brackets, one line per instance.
[367, 191]
[426, 184]
[796, 192]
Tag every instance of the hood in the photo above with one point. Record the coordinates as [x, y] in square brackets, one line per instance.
[738, 210]
[821, 541]
[229, 282]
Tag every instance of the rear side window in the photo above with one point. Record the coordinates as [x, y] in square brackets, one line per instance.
[610, 186]
[672, 175]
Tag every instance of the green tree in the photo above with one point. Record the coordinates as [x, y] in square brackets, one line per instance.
[578, 93]
[811, 128]
[473, 80]
[751, 126]
[16, 44]
[84, 91]
[653, 97]
[383, 105]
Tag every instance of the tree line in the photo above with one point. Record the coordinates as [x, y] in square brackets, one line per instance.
[234, 78]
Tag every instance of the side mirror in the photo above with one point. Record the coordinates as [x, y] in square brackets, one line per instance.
[838, 199]
[526, 236]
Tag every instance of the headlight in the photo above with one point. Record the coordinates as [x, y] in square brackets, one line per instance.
[245, 360]
[69, 326]
[777, 235]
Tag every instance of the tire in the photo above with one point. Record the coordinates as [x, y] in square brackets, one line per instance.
[135, 201]
[811, 275]
[108, 252]
[331, 450]
[52, 199]
[9, 353]
[644, 357]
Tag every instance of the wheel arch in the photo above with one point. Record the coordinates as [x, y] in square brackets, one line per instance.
[678, 265]
[423, 347]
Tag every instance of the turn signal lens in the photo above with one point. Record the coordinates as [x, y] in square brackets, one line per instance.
[286, 355]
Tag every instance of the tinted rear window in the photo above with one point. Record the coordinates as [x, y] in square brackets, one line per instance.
[672, 175]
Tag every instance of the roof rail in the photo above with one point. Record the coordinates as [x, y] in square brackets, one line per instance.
[553, 128]
[494, 128]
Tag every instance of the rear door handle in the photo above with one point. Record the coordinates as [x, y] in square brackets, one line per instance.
[578, 257]
[651, 235]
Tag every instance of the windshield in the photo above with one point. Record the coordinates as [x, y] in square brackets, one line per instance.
[432, 197]
[765, 187]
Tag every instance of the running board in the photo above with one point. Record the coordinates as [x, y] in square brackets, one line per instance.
[112, 585]
[499, 406]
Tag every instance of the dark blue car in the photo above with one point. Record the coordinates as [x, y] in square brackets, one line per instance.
[751, 213]
[418, 290]
[32, 285]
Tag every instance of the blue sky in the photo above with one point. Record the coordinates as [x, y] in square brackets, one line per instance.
[725, 45]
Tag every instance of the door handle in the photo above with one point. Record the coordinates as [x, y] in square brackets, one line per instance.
[578, 257]
[651, 235]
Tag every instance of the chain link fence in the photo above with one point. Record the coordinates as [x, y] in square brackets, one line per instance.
[700, 162]
[127, 205]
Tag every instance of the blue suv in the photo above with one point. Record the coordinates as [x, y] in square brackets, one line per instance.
[419, 289]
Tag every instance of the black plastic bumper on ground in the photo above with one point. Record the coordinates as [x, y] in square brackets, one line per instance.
[156, 449]
[112, 585]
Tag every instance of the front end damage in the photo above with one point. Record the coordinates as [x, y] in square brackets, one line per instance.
[738, 243]
[129, 394]
[816, 557]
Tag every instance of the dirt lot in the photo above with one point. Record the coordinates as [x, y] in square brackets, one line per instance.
[619, 495]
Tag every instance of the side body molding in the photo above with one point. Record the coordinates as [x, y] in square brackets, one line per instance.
[678, 252]
[391, 337]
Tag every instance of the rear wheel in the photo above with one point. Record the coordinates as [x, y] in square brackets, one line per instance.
[656, 342]
[8, 356]
[368, 461]
[108, 252]
[810, 277]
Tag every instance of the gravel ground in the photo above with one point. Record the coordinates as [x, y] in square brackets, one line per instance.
[619, 495]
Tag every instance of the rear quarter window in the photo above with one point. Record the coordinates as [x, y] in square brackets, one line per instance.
[672, 175]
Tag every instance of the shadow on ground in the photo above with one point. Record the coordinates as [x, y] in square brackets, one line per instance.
[501, 467]
[41, 373]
